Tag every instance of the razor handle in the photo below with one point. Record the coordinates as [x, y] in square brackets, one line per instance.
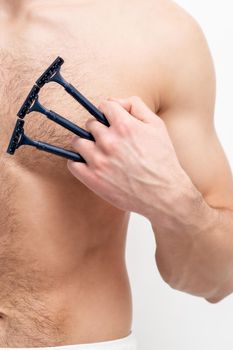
[69, 125]
[42, 146]
[86, 104]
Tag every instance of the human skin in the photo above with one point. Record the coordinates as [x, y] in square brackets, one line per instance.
[62, 264]
[61, 245]
[134, 166]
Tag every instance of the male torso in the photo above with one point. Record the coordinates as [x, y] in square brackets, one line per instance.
[63, 278]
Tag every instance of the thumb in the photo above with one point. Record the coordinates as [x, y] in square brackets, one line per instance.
[137, 108]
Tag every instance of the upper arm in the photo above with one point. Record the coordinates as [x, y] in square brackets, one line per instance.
[187, 101]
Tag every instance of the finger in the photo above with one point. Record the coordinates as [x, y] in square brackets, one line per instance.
[114, 112]
[137, 108]
[86, 148]
[83, 173]
[97, 129]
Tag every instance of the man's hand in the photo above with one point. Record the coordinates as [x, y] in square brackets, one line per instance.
[133, 163]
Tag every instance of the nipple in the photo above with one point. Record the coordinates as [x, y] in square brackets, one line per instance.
[12, 8]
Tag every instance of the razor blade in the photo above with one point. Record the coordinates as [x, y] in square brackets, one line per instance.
[50, 72]
[16, 138]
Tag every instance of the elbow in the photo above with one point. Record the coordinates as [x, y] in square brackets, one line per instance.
[214, 300]
[220, 293]
[212, 297]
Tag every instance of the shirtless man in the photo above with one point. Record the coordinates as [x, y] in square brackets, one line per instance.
[63, 274]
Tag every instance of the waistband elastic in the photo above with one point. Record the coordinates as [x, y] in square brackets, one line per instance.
[126, 343]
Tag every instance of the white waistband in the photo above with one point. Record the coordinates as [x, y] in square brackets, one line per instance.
[127, 343]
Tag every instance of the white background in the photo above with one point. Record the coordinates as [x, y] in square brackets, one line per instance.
[166, 319]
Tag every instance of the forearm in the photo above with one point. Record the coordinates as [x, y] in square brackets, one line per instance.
[195, 245]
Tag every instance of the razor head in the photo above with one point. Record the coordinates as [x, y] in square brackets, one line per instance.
[16, 137]
[50, 72]
[32, 96]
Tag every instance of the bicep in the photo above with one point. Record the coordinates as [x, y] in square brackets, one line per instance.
[187, 108]
[201, 156]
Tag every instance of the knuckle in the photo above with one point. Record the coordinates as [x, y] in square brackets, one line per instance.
[109, 145]
[75, 142]
[91, 124]
[102, 104]
[99, 163]
[124, 128]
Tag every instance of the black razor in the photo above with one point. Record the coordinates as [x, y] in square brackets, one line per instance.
[32, 104]
[19, 138]
[53, 74]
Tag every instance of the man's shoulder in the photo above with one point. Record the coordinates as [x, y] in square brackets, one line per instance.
[171, 46]
[160, 10]
[180, 58]
[170, 21]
